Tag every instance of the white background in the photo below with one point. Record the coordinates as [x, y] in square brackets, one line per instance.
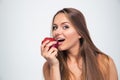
[24, 23]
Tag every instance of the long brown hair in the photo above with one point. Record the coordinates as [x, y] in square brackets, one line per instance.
[89, 52]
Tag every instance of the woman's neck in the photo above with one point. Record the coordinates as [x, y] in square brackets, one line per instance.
[74, 54]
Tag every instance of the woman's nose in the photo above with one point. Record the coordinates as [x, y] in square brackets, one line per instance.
[58, 32]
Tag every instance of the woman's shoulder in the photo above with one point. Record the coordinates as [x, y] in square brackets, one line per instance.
[107, 64]
[46, 70]
[103, 57]
[45, 65]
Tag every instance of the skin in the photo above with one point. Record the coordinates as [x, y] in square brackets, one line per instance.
[63, 28]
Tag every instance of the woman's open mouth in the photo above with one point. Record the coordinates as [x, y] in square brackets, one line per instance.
[60, 41]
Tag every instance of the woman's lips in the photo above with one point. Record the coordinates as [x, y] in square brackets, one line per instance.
[61, 41]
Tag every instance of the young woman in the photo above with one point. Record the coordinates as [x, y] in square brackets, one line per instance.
[77, 57]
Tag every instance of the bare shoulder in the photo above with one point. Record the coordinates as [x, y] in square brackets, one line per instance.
[107, 64]
[106, 58]
[103, 60]
[45, 66]
[103, 57]
[46, 71]
[113, 70]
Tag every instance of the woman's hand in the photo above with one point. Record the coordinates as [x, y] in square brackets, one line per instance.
[49, 53]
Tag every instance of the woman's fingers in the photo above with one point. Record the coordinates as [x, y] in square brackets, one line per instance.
[53, 52]
[43, 45]
[46, 48]
[49, 52]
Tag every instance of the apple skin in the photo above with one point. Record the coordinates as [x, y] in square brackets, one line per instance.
[51, 39]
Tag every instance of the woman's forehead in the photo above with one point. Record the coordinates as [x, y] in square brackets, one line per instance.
[60, 18]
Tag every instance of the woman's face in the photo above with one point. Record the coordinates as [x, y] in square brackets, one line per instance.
[65, 33]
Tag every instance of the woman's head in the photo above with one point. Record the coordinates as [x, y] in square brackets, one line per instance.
[64, 31]
[76, 19]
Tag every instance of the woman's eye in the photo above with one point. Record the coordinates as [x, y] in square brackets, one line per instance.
[54, 27]
[65, 27]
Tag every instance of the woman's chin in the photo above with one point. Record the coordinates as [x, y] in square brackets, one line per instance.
[61, 48]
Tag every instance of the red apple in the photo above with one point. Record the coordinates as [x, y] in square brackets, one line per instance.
[51, 39]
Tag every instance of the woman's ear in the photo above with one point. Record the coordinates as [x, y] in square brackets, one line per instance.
[79, 35]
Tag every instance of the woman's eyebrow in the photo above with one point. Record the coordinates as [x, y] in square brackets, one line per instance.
[65, 23]
[54, 24]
